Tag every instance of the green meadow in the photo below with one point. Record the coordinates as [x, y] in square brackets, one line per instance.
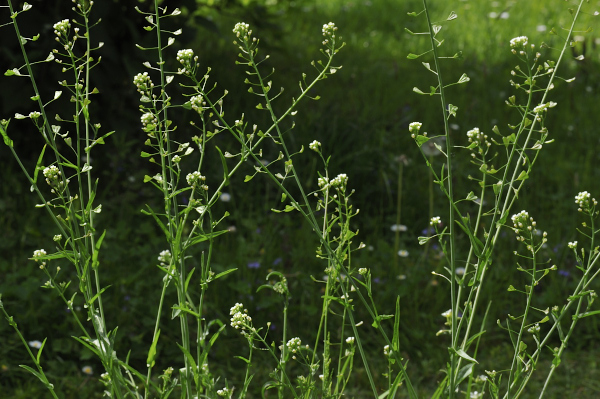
[360, 114]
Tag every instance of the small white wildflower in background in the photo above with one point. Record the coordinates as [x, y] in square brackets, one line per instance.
[476, 395]
[435, 221]
[414, 128]
[224, 392]
[294, 344]
[493, 15]
[35, 344]
[315, 146]
[504, 15]
[572, 245]
[460, 271]
[164, 257]
[87, 370]
[57, 238]
[447, 313]
[541, 28]
[350, 340]
[398, 227]
[403, 253]
[518, 42]
[225, 197]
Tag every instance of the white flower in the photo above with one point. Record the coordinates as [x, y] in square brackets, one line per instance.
[164, 257]
[315, 145]
[35, 344]
[61, 28]
[435, 221]
[460, 271]
[242, 29]
[414, 127]
[239, 316]
[293, 345]
[520, 41]
[403, 253]
[87, 370]
[39, 252]
[398, 227]
[350, 340]
[225, 197]
[386, 350]
[362, 271]
[340, 181]
[584, 200]
[572, 245]
[224, 392]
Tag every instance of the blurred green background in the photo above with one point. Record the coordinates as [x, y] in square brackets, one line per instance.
[361, 119]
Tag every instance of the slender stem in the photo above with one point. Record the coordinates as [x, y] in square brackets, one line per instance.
[451, 223]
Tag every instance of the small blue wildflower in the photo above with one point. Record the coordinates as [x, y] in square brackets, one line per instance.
[253, 265]
[564, 273]
[277, 261]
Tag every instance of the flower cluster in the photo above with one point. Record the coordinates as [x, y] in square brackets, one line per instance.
[524, 225]
[315, 145]
[164, 257]
[521, 221]
[476, 136]
[188, 60]
[242, 30]
[572, 244]
[534, 329]
[197, 103]
[143, 82]
[239, 317]
[61, 28]
[329, 32]
[350, 340]
[435, 221]
[294, 344]
[585, 202]
[414, 128]
[340, 181]
[34, 115]
[51, 173]
[518, 42]
[386, 351]
[196, 179]
[149, 121]
[323, 182]
[225, 392]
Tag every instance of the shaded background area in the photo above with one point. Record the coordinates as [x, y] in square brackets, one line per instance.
[362, 121]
